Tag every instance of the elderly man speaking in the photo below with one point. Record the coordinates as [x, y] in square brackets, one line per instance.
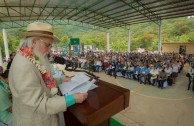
[34, 90]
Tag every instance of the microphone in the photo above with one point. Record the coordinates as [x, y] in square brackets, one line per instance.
[59, 60]
[68, 63]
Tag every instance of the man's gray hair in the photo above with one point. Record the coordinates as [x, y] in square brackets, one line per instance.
[27, 42]
[43, 59]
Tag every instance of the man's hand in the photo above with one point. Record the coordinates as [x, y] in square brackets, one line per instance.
[80, 97]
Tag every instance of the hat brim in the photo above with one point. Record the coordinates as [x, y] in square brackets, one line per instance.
[33, 34]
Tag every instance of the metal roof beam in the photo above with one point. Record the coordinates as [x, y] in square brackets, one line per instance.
[4, 14]
[2, 24]
[32, 12]
[106, 12]
[175, 11]
[110, 22]
[188, 13]
[106, 17]
[17, 12]
[7, 10]
[18, 24]
[84, 9]
[76, 9]
[95, 11]
[48, 1]
[174, 2]
[64, 9]
[151, 15]
[133, 3]
[32, 9]
[135, 15]
[20, 9]
[59, 3]
[24, 16]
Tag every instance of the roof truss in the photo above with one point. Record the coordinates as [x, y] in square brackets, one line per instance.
[100, 14]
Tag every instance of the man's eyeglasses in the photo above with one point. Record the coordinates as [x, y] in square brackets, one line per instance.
[46, 44]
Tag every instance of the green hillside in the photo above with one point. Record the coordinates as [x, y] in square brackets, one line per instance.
[145, 35]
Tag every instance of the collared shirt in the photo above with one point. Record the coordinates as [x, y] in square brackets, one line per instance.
[168, 71]
[144, 71]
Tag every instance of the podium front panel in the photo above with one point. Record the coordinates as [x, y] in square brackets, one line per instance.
[103, 102]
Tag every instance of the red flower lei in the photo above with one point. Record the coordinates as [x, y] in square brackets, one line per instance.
[47, 77]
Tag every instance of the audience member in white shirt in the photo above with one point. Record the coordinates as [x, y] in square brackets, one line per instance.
[154, 75]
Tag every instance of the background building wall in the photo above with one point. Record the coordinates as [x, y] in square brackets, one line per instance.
[190, 49]
[170, 48]
[175, 47]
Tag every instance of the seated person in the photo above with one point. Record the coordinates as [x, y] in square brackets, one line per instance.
[168, 70]
[125, 68]
[119, 69]
[106, 65]
[175, 70]
[129, 72]
[162, 77]
[98, 65]
[5, 101]
[154, 75]
[143, 74]
[136, 73]
[85, 66]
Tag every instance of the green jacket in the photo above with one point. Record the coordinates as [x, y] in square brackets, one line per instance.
[5, 103]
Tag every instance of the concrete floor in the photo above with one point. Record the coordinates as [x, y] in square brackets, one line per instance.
[151, 106]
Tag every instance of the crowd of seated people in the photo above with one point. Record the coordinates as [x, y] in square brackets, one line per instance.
[147, 68]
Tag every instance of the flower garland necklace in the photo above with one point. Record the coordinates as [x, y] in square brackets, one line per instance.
[47, 77]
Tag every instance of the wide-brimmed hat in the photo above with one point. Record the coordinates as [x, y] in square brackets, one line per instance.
[40, 29]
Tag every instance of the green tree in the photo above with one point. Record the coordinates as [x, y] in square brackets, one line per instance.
[191, 37]
[64, 40]
[119, 45]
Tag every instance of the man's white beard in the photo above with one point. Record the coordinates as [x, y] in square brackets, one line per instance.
[43, 59]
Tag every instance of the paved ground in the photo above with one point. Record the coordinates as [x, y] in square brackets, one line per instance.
[151, 106]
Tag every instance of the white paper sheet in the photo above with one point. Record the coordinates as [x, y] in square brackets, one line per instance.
[84, 87]
[79, 79]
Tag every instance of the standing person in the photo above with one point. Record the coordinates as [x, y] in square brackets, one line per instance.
[191, 77]
[34, 91]
[12, 55]
[5, 101]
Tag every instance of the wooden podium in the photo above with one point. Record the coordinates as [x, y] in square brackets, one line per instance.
[103, 102]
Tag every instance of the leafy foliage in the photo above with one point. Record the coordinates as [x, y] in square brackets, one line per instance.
[142, 35]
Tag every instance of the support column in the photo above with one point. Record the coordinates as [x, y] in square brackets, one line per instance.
[159, 38]
[108, 42]
[129, 43]
[1, 60]
[5, 44]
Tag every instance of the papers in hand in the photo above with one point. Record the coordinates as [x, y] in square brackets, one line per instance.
[79, 83]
